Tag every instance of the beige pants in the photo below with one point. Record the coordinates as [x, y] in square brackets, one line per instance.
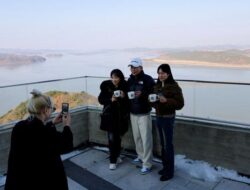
[142, 133]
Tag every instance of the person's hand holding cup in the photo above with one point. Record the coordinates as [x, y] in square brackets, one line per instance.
[138, 93]
[162, 99]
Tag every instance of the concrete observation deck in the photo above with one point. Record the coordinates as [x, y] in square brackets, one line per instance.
[89, 170]
[198, 141]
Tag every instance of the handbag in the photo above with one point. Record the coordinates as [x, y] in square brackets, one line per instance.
[106, 119]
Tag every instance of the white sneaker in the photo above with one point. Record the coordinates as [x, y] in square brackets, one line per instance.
[112, 166]
[137, 161]
[119, 160]
[146, 170]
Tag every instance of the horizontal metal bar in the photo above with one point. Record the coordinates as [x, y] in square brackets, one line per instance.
[99, 77]
[213, 82]
[53, 80]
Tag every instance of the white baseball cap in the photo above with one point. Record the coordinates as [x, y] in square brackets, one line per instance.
[136, 62]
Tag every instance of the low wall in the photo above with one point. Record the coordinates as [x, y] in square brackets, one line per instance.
[219, 145]
[4, 149]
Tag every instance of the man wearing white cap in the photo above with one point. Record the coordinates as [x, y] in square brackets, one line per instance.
[140, 85]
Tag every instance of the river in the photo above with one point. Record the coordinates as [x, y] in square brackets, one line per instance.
[224, 99]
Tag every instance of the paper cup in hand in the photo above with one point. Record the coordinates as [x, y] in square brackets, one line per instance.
[117, 93]
[153, 97]
[131, 94]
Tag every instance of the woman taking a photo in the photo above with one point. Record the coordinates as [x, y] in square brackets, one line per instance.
[170, 99]
[113, 97]
[34, 158]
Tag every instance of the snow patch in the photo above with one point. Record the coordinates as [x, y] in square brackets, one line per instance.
[2, 180]
[204, 171]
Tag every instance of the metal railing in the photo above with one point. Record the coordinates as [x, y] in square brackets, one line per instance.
[208, 101]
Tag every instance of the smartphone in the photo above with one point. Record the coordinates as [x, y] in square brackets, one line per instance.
[65, 108]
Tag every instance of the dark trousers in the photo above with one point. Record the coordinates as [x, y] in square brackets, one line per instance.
[114, 146]
[165, 127]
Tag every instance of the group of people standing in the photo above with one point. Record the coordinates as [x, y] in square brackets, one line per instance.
[129, 101]
[34, 157]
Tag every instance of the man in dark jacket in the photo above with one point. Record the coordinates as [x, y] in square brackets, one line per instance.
[140, 86]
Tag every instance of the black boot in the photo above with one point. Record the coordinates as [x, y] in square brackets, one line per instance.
[166, 177]
[161, 172]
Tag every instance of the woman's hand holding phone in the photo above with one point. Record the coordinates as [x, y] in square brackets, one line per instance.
[57, 119]
[66, 119]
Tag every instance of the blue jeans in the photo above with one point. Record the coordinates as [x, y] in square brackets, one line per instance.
[165, 127]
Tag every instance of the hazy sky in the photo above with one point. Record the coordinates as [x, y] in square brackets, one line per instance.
[105, 24]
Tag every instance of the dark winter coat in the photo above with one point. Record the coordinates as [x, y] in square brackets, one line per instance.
[34, 158]
[143, 83]
[173, 93]
[119, 109]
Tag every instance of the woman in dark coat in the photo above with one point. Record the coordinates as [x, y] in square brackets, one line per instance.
[170, 100]
[34, 159]
[117, 107]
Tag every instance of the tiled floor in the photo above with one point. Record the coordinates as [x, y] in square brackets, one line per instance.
[89, 170]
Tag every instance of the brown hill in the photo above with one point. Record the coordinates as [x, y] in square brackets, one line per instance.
[210, 56]
[74, 100]
[14, 59]
[232, 58]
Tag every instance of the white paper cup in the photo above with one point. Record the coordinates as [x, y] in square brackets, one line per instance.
[153, 97]
[131, 95]
[117, 93]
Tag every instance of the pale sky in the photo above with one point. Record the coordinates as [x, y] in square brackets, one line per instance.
[112, 24]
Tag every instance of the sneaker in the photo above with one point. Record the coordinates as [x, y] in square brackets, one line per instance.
[145, 170]
[112, 166]
[137, 161]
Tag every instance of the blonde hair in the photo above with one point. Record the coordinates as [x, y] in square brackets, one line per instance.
[38, 102]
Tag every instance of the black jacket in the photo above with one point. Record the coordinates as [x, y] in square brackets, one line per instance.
[34, 158]
[143, 83]
[119, 109]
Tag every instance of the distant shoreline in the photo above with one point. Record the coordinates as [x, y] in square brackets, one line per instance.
[195, 63]
[14, 60]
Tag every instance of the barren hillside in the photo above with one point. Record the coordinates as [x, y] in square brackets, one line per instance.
[232, 58]
[15, 59]
[74, 100]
